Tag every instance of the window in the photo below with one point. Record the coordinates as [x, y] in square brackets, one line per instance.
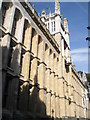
[14, 26]
[10, 54]
[53, 26]
[48, 26]
[3, 13]
[21, 60]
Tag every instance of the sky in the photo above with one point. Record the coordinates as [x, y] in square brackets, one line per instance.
[77, 15]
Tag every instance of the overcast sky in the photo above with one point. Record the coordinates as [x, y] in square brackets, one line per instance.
[77, 15]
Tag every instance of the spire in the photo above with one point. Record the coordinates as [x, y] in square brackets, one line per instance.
[57, 6]
[66, 24]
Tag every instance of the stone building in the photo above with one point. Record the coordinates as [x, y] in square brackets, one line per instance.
[38, 78]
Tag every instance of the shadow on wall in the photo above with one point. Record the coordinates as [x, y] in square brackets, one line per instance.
[20, 99]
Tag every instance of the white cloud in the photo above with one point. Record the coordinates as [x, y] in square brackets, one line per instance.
[80, 55]
[79, 50]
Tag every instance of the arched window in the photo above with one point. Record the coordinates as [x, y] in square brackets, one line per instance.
[16, 23]
[40, 48]
[26, 33]
[46, 53]
[34, 42]
[6, 7]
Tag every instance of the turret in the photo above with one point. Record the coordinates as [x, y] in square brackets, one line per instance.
[66, 31]
[57, 7]
[66, 25]
[43, 17]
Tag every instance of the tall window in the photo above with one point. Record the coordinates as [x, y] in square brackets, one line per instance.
[14, 26]
[54, 26]
[48, 26]
[3, 13]
[10, 54]
[16, 22]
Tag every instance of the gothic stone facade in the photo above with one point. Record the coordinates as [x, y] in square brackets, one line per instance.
[38, 78]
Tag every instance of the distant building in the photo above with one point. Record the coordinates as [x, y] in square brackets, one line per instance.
[38, 78]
